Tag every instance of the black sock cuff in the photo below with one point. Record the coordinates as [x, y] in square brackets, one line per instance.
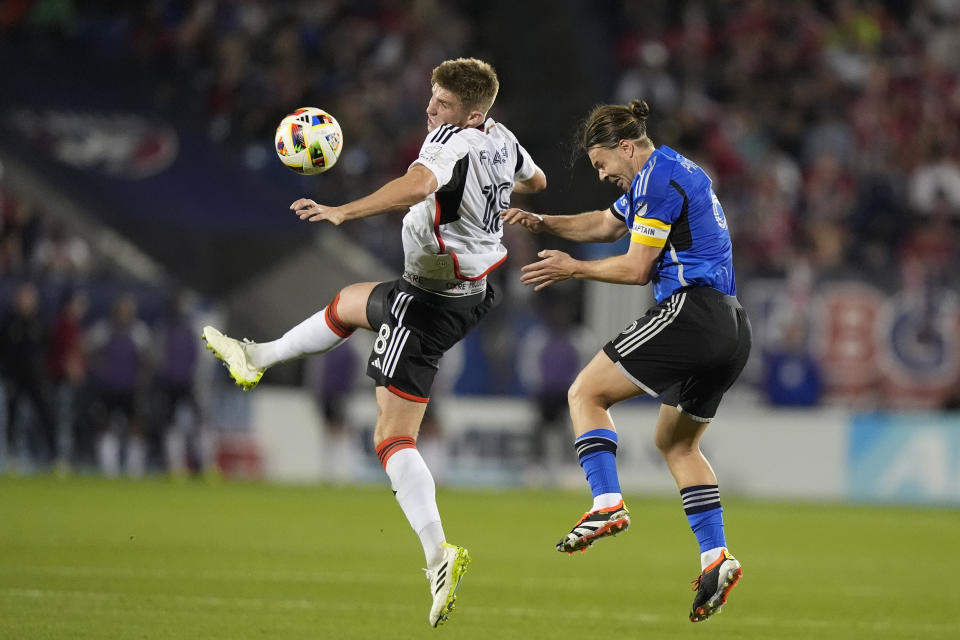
[700, 498]
[594, 444]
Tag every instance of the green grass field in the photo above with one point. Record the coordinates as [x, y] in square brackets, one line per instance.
[90, 558]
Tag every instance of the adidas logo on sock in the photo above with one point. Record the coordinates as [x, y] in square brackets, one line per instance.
[376, 363]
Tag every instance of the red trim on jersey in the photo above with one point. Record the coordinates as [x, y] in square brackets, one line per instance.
[436, 224]
[408, 396]
[391, 445]
[333, 320]
[456, 261]
[456, 268]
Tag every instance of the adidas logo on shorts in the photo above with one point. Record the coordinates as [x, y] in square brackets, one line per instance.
[376, 363]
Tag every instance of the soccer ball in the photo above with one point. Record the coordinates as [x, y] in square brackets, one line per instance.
[309, 140]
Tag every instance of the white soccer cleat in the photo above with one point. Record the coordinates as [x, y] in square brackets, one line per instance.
[234, 356]
[444, 579]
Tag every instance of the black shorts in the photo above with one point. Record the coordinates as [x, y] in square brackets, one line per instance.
[688, 349]
[414, 329]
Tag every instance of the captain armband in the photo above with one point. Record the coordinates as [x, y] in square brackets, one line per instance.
[649, 231]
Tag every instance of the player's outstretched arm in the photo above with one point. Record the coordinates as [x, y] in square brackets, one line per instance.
[592, 226]
[633, 267]
[401, 193]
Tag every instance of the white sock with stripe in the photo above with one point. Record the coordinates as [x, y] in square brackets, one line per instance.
[313, 335]
[415, 491]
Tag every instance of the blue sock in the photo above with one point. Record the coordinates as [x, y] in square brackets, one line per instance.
[597, 450]
[701, 503]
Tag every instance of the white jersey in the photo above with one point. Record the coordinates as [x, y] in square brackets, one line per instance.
[451, 240]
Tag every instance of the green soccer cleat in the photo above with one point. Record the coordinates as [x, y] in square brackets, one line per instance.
[594, 525]
[713, 585]
[444, 581]
[234, 356]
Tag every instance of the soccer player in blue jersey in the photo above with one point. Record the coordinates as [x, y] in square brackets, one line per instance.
[688, 349]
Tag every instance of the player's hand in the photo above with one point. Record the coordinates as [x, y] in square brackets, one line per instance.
[554, 267]
[529, 221]
[307, 209]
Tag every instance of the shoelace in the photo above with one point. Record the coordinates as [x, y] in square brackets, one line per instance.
[696, 583]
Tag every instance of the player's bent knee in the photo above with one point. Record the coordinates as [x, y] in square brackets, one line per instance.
[575, 394]
[584, 393]
[386, 431]
[671, 445]
[350, 304]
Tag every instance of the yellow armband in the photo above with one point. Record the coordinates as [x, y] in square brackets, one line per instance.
[649, 231]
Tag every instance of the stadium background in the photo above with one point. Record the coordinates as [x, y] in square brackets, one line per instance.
[137, 163]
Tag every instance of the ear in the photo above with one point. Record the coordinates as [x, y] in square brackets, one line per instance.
[627, 148]
[475, 118]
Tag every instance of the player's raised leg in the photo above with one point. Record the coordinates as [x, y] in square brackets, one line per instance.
[678, 439]
[598, 387]
[247, 361]
[395, 439]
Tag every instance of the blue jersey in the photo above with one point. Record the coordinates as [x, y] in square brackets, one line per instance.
[671, 204]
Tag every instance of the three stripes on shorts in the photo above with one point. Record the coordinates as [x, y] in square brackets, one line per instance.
[400, 333]
[642, 334]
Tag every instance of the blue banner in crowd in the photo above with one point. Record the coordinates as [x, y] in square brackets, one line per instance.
[156, 177]
[904, 458]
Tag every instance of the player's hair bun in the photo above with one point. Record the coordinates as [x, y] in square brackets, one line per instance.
[640, 109]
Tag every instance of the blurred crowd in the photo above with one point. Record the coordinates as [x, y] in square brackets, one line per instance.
[831, 128]
[97, 369]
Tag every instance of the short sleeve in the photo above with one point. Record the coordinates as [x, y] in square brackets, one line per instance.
[526, 168]
[621, 207]
[649, 231]
[441, 150]
[654, 217]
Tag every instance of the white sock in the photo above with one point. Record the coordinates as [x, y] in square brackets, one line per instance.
[108, 454]
[311, 336]
[413, 484]
[206, 443]
[175, 445]
[136, 458]
[431, 537]
[710, 556]
[606, 500]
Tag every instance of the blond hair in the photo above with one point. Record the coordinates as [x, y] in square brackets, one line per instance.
[473, 81]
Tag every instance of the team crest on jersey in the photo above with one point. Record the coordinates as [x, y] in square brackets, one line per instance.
[718, 211]
[430, 152]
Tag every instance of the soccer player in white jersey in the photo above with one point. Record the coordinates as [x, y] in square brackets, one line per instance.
[455, 190]
[688, 349]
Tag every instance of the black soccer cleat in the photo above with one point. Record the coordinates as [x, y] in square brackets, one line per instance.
[594, 525]
[713, 585]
